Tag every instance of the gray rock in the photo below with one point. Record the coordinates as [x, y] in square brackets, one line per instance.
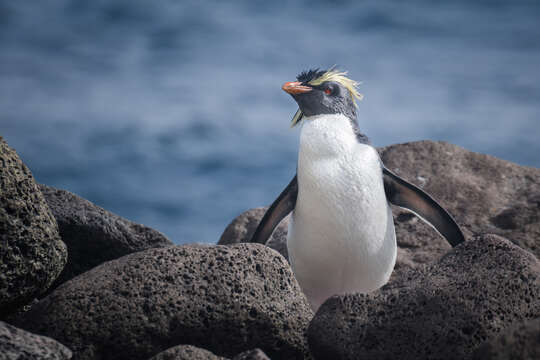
[241, 229]
[186, 352]
[441, 311]
[519, 342]
[94, 235]
[483, 193]
[17, 344]
[226, 299]
[255, 354]
[31, 251]
[190, 352]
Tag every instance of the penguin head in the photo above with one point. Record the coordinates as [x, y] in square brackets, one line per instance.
[320, 92]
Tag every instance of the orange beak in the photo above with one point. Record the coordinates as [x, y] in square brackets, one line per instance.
[295, 87]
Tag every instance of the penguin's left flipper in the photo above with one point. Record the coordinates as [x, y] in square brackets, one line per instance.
[404, 194]
[280, 208]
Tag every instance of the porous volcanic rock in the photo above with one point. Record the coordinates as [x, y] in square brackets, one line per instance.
[17, 344]
[226, 299]
[94, 235]
[31, 251]
[484, 194]
[186, 352]
[519, 342]
[442, 311]
[241, 229]
[255, 354]
[190, 352]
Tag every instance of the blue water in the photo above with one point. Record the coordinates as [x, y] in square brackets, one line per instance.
[170, 113]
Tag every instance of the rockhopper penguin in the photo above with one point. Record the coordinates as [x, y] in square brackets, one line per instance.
[341, 235]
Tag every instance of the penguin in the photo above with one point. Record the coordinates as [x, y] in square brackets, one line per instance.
[341, 236]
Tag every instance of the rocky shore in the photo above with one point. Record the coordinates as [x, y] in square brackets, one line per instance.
[78, 282]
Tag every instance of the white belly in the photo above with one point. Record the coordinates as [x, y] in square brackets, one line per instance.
[341, 234]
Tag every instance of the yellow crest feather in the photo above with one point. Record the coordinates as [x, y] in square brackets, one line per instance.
[296, 118]
[341, 78]
[335, 76]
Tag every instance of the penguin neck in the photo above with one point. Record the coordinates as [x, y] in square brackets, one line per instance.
[326, 135]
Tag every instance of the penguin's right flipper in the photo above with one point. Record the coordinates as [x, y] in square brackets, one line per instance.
[404, 194]
[280, 208]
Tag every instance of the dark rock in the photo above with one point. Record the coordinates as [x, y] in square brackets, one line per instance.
[94, 235]
[17, 344]
[190, 352]
[226, 299]
[441, 311]
[241, 229]
[186, 352]
[519, 342]
[484, 194]
[255, 354]
[31, 251]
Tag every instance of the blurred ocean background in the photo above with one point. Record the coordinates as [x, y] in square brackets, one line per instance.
[170, 113]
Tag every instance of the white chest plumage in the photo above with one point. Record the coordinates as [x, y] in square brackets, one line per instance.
[341, 234]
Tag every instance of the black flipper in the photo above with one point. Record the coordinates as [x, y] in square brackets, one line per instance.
[281, 207]
[404, 194]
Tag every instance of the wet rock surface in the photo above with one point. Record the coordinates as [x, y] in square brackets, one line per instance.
[94, 235]
[17, 344]
[244, 295]
[32, 254]
[442, 311]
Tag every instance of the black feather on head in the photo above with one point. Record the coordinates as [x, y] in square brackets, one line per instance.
[308, 75]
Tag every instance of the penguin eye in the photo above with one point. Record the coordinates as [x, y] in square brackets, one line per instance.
[329, 89]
